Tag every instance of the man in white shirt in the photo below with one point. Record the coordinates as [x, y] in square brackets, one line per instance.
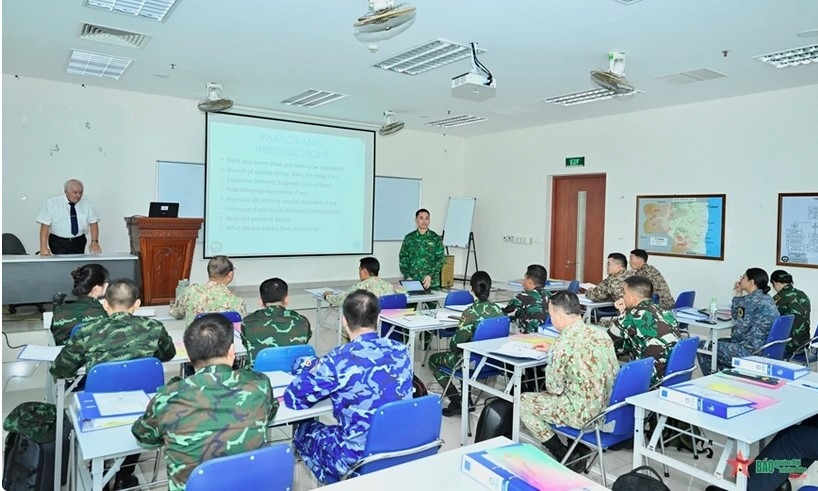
[64, 220]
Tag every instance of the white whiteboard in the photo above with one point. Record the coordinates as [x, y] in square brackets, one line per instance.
[396, 201]
[459, 217]
[183, 183]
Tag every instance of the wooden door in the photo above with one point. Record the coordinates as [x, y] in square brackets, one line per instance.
[564, 205]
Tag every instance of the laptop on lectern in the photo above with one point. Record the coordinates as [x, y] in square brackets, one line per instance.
[164, 210]
[414, 287]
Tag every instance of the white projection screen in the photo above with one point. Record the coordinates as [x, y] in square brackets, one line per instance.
[285, 188]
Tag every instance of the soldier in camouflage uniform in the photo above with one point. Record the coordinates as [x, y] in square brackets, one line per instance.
[612, 287]
[121, 336]
[358, 377]
[482, 308]
[754, 314]
[368, 272]
[792, 301]
[643, 329]
[422, 254]
[530, 307]
[274, 325]
[213, 413]
[90, 282]
[578, 379]
[639, 264]
[213, 296]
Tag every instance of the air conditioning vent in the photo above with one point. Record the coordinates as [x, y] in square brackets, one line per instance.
[108, 35]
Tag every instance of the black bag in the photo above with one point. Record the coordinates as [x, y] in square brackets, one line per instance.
[418, 387]
[496, 419]
[29, 465]
[634, 481]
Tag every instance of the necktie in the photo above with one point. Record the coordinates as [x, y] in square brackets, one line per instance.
[75, 226]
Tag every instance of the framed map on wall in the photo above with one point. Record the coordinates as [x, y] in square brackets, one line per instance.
[797, 243]
[690, 225]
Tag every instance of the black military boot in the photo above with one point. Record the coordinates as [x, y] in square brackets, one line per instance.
[454, 407]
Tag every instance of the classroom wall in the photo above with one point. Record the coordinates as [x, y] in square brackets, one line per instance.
[750, 148]
[111, 140]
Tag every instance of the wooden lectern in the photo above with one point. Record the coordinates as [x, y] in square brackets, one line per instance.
[166, 253]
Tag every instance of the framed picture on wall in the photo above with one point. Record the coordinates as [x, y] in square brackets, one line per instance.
[681, 225]
[797, 238]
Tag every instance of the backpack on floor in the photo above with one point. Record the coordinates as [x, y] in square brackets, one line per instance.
[636, 481]
[418, 387]
[28, 461]
[495, 420]
[678, 440]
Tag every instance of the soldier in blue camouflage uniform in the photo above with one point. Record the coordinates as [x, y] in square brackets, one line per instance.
[530, 307]
[120, 336]
[275, 324]
[422, 253]
[482, 308]
[215, 412]
[643, 329]
[358, 377]
[90, 282]
[792, 301]
[754, 313]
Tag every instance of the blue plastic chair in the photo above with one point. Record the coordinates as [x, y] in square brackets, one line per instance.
[633, 379]
[454, 297]
[393, 301]
[573, 287]
[685, 300]
[805, 353]
[655, 298]
[401, 431]
[74, 330]
[777, 339]
[269, 467]
[231, 315]
[281, 358]
[116, 376]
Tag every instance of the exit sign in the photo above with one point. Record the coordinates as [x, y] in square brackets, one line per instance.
[574, 161]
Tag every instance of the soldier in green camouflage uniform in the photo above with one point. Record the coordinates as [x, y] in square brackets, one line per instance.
[274, 325]
[90, 282]
[120, 336]
[530, 307]
[611, 288]
[215, 412]
[639, 264]
[481, 309]
[643, 329]
[792, 301]
[422, 254]
[213, 296]
[578, 378]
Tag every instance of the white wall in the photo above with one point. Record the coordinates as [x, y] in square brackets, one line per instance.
[111, 140]
[749, 148]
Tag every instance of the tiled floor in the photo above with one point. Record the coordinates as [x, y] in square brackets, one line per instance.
[18, 390]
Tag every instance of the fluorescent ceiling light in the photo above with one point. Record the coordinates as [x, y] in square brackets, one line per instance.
[456, 121]
[791, 57]
[150, 9]
[96, 64]
[583, 97]
[313, 98]
[428, 56]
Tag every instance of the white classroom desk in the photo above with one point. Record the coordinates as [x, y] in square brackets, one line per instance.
[591, 306]
[412, 331]
[117, 443]
[484, 349]
[794, 405]
[717, 330]
[513, 286]
[440, 472]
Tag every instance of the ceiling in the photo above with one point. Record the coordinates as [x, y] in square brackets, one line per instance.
[266, 51]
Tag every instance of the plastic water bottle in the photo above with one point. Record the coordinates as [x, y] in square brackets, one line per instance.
[714, 309]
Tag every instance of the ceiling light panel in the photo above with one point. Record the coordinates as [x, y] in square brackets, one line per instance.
[691, 76]
[428, 56]
[313, 98]
[149, 9]
[583, 97]
[96, 64]
[791, 57]
[456, 121]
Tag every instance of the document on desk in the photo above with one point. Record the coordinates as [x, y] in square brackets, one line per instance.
[520, 349]
[97, 411]
[418, 321]
[459, 308]
[448, 315]
[145, 312]
[38, 352]
[587, 286]
[319, 292]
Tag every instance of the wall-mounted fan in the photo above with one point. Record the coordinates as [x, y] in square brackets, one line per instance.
[384, 20]
[390, 125]
[613, 79]
[215, 102]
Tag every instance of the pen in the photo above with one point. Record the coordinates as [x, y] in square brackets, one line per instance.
[810, 386]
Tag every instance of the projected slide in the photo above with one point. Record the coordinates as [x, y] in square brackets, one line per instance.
[282, 188]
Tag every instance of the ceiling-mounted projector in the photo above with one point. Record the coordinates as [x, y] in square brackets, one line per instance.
[478, 84]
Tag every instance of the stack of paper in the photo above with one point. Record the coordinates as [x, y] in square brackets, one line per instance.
[690, 314]
[37, 352]
[417, 321]
[96, 411]
[520, 349]
[459, 308]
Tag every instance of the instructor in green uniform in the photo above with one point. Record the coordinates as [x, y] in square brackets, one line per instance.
[422, 254]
